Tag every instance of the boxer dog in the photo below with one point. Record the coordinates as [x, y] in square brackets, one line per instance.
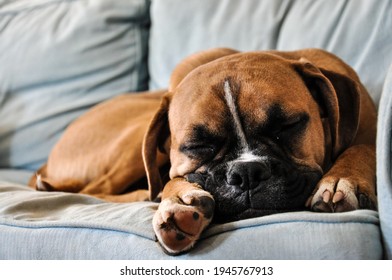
[241, 135]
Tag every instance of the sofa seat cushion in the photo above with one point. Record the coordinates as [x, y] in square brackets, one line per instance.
[55, 225]
[21, 177]
[58, 58]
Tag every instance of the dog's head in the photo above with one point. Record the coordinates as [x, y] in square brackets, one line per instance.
[257, 130]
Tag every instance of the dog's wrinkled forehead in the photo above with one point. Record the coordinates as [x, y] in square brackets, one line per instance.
[253, 76]
[236, 95]
[251, 121]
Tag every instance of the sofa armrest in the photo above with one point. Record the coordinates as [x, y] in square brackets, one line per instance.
[384, 180]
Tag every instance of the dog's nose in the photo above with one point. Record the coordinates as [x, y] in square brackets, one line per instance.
[248, 175]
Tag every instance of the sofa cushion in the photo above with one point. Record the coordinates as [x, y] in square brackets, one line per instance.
[50, 225]
[357, 31]
[15, 176]
[58, 58]
[384, 164]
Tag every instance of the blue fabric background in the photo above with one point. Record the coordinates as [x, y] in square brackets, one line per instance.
[384, 182]
[50, 73]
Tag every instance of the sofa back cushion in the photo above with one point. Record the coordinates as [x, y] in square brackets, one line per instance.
[359, 31]
[59, 58]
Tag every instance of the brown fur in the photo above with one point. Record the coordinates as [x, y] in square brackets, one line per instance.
[102, 153]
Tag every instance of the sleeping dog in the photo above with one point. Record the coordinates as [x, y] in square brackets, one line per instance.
[240, 135]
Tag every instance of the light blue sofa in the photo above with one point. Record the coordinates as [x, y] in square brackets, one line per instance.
[60, 57]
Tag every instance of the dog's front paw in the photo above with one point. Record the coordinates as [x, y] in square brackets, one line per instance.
[180, 220]
[335, 194]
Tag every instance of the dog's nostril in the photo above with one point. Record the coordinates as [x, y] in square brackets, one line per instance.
[248, 174]
[234, 179]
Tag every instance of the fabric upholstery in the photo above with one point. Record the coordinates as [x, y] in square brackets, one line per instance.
[50, 74]
[53, 225]
[384, 181]
[357, 31]
[21, 177]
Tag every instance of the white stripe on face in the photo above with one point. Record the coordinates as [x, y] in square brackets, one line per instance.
[234, 112]
[246, 153]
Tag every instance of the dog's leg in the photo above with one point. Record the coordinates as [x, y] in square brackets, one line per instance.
[116, 180]
[184, 212]
[349, 184]
[73, 186]
[107, 182]
[40, 182]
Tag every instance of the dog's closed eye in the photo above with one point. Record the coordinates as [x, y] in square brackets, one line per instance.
[197, 150]
[290, 126]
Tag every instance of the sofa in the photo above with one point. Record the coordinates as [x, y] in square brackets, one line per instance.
[58, 58]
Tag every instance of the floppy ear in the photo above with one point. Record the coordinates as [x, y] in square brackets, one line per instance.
[339, 98]
[155, 138]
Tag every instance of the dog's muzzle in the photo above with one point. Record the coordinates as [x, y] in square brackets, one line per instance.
[256, 188]
[247, 175]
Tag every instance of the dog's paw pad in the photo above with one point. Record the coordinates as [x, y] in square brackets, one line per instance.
[179, 222]
[173, 238]
[203, 203]
[188, 222]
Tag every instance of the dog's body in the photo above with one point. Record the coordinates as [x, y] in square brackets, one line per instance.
[246, 134]
[105, 159]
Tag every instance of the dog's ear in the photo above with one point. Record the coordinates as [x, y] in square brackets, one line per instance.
[155, 140]
[339, 99]
[193, 61]
[158, 132]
